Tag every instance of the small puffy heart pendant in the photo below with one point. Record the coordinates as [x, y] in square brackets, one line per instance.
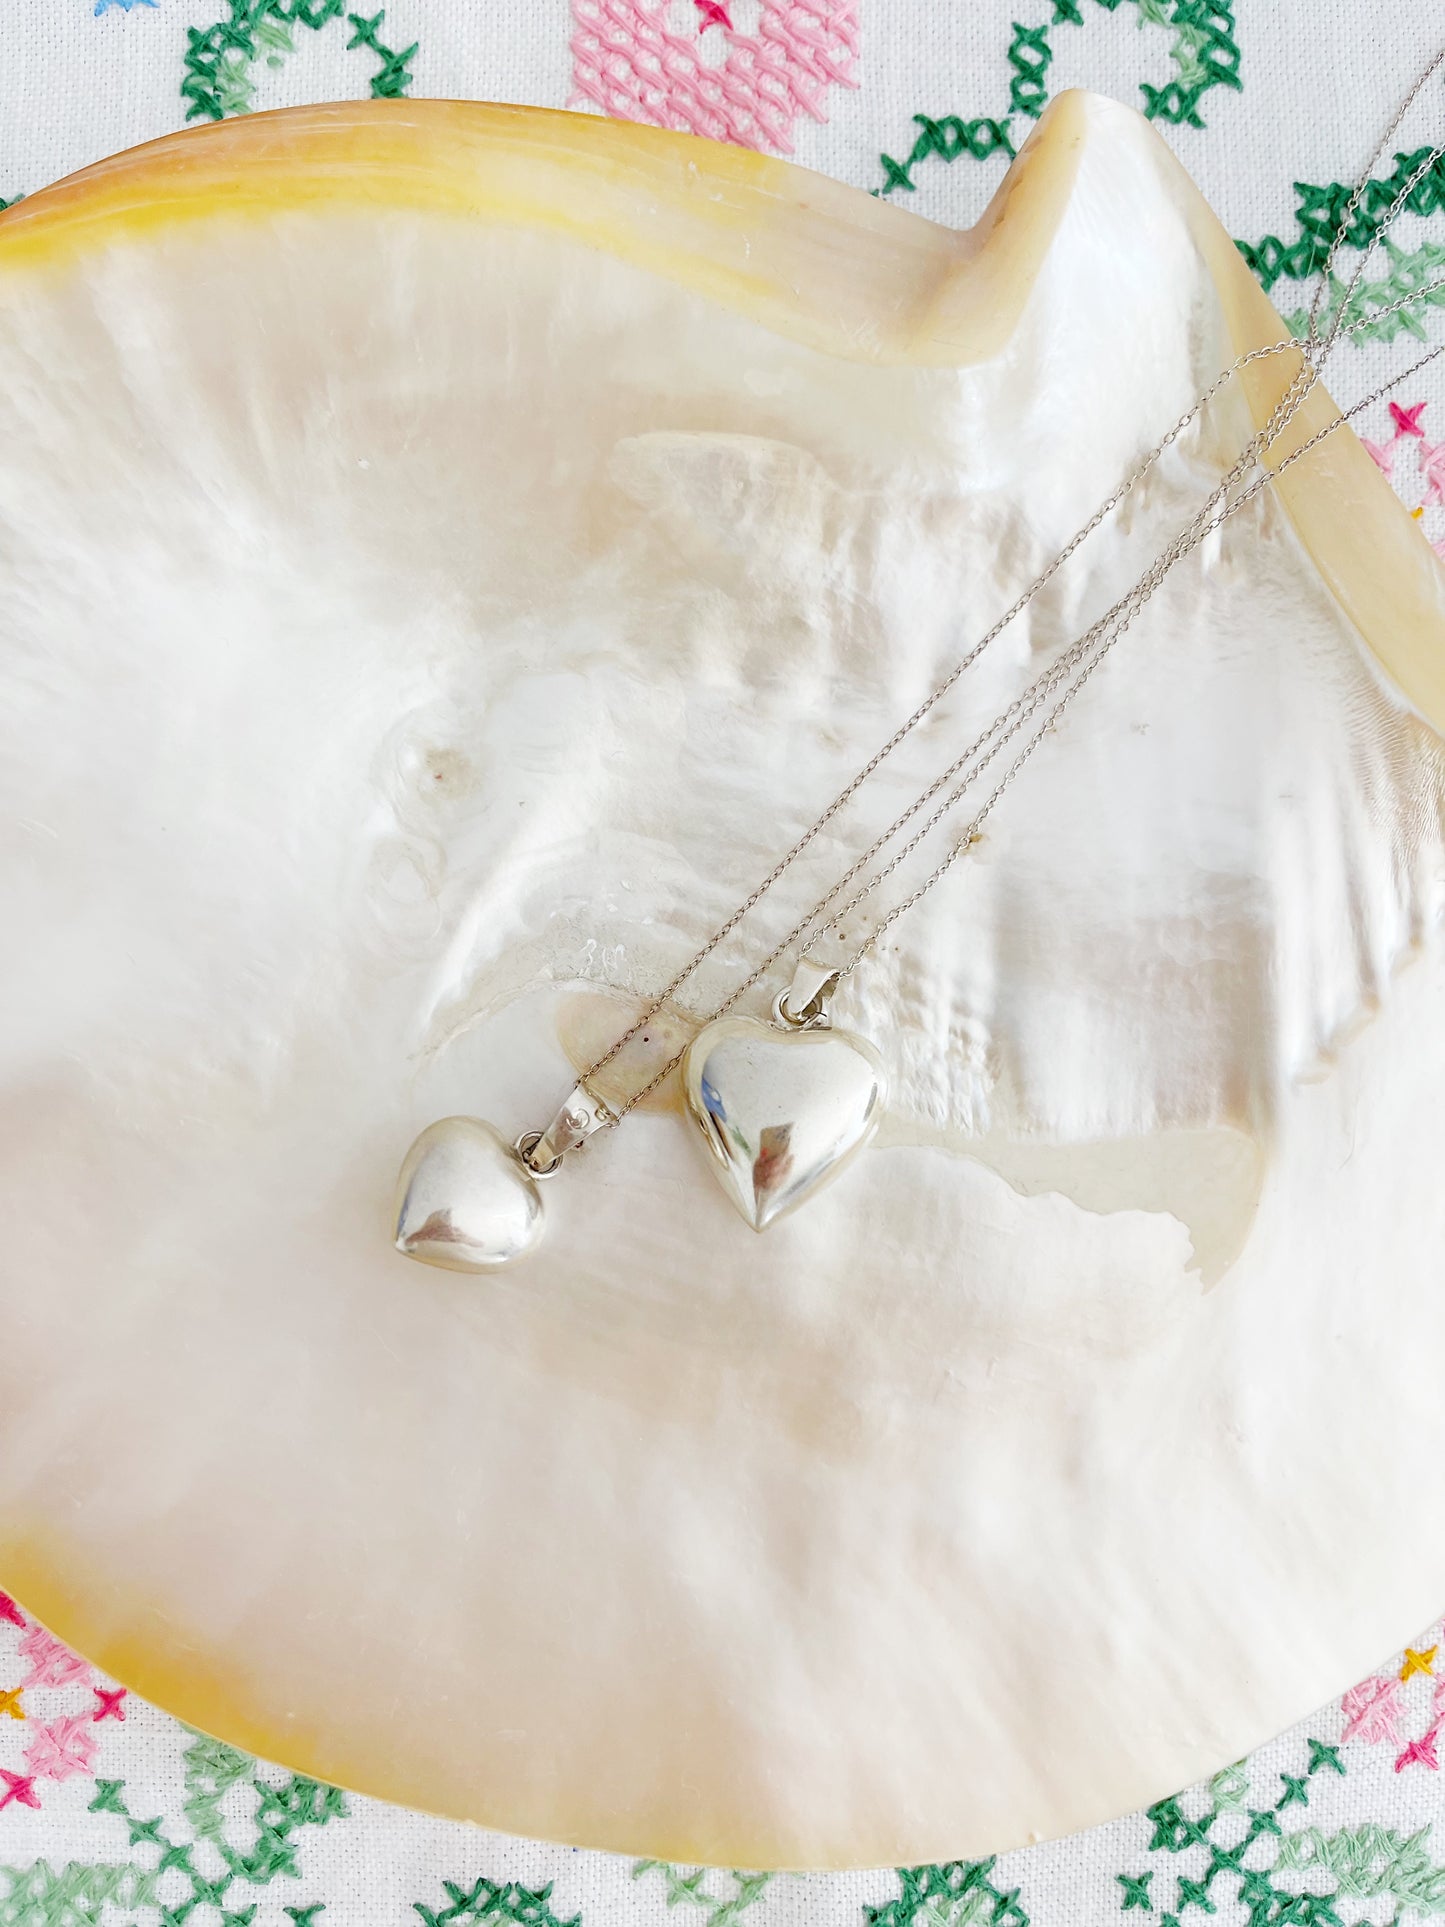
[465, 1200]
[781, 1111]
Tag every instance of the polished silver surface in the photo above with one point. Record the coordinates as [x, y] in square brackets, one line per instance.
[464, 1199]
[781, 1112]
[804, 1004]
[781, 1178]
[580, 1115]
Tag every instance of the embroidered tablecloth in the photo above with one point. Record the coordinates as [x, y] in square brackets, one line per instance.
[111, 1812]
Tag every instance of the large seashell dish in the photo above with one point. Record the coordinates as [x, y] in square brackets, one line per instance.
[446, 553]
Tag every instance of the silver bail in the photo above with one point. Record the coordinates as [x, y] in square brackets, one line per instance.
[804, 1004]
[580, 1116]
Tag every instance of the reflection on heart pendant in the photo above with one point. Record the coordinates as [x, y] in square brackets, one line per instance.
[464, 1200]
[781, 1111]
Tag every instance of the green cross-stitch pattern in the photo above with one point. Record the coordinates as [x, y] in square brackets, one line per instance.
[1242, 1858]
[1319, 213]
[219, 58]
[957, 1894]
[1244, 1855]
[699, 1889]
[1239, 1855]
[170, 1879]
[492, 1900]
[1206, 55]
[1203, 49]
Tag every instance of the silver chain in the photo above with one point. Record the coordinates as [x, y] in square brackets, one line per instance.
[1110, 627]
[1083, 655]
[618, 1112]
[1166, 562]
[1358, 194]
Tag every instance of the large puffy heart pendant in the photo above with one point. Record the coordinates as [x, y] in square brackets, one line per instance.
[465, 1201]
[781, 1112]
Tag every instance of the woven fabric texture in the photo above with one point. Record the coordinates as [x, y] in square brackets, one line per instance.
[112, 1813]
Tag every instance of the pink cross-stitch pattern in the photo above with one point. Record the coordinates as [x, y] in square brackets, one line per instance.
[59, 1715]
[110, 1703]
[631, 59]
[19, 1787]
[1420, 1752]
[1372, 1711]
[1408, 431]
[64, 1747]
[1432, 469]
[51, 1664]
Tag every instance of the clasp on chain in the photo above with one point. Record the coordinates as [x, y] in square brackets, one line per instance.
[580, 1116]
[804, 1004]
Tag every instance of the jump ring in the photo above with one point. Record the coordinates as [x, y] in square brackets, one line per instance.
[525, 1145]
[814, 1018]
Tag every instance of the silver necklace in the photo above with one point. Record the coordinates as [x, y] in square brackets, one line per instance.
[781, 1107]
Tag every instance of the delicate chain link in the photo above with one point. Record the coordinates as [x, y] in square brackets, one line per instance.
[846, 794]
[1358, 194]
[1024, 705]
[905, 729]
[1090, 649]
[1005, 728]
[618, 1112]
[1124, 611]
[971, 834]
